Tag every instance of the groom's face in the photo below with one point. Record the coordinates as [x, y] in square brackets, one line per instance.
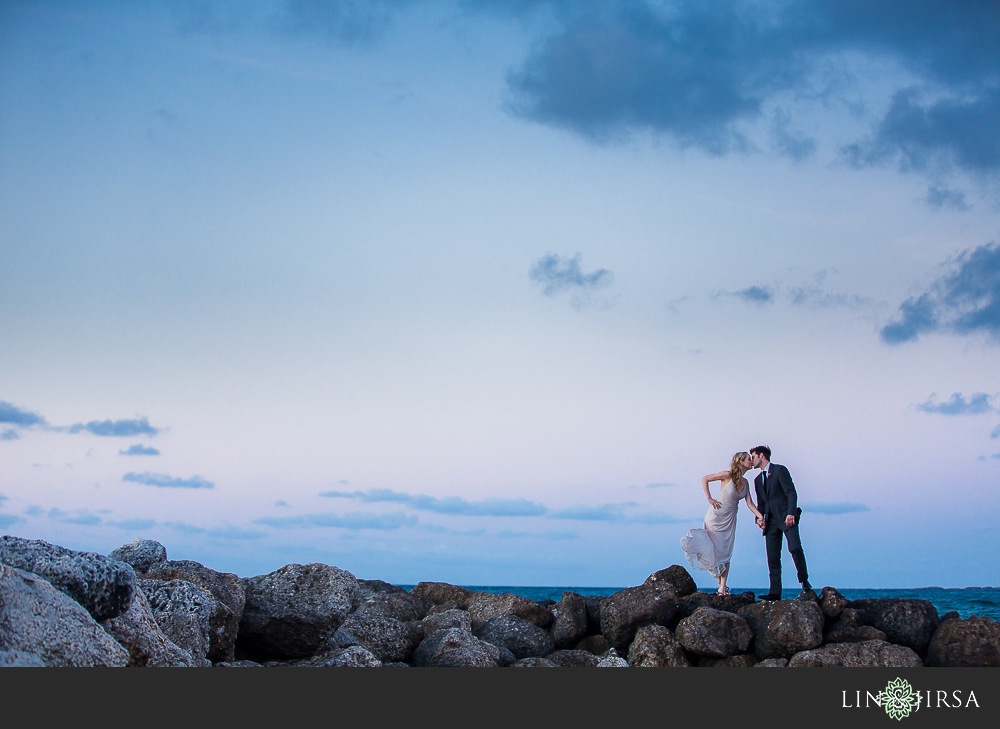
[755, 460]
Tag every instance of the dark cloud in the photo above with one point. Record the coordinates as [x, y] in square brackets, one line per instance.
[787, 141]
[162, 480]
[756, 294]
[452, 505]
[977, 404]
[14, 415]
[139, 450]
[941, 197]
[114, 428]
[556, 274]
[835, 507]
[356, 520]
[964, 301]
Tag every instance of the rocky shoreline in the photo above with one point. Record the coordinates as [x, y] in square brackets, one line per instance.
[134, 607]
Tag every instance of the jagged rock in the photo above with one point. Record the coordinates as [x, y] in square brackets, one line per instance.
[367, 588]
[655, 646]
[904, 621]
[453, 618]
[523, 639]
[612, 662]
[569, 626]
[102, 585]
[399, 605]
[237, 664]
[782, 628]
[772, 663]
[853, 635]
[341, 638]
[137, 630]
[184, 613]
[741, 660]
[625, 611]
[714, 633]
[484, 605]
[949, 616]
[729, 603]
[36, 618]
[848, 618]
[677, 577]
[388, 639]
[533, 662]
[354, 656]
[229, 592]
[868, 654]
[442, 592]
[459, 648]
[141, 555]
[566, 658]
[808, 595]
[396, 664]
[596, 644]
[593, 614]
[831, 602]
[20, 659]
[293, 611]
[973, 641]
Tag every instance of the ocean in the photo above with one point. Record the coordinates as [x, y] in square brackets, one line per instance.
[967, 601]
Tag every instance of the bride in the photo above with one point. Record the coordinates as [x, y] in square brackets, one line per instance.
[711, 547]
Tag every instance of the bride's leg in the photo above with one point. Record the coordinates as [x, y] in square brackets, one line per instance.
[723, 576]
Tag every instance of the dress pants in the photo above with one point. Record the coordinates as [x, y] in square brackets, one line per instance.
[772, 539]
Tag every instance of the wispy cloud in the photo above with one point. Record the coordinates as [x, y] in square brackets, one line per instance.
[7, 520]
[81, 516]
[977, 404]
[133, 525]
[224, 531]
[661, 485]
[557, 275]
[835, 507]
[139, 450]
[355, 520]
[453, 505]
[114, 428]
[9, 434]
[941, 197]
[14, 415]
[162, 480]
[582, 512]
[995, 433]
[655, 517]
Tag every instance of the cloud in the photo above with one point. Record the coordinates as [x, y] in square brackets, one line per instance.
[9, 434]
[452, 505]
[162, 480]
[139, 450]
[82, 517]
[7, 520]
[556, 275]
[756, 294]
[16, 416]
[281, 503]
[663, 485]
[4, 498]
[788, 142]
[656, 517]
[134, 525]
[582, 512]
[355, 520]
[551, 535]
[940, 197]
[114, 428]
[977, 403]
[964, 301]
[835, 507]
[229, 531]
[995, 433]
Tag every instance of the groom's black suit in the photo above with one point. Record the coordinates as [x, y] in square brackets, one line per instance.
[776, 499]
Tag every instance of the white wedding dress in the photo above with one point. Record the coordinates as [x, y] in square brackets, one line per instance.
[711, 547]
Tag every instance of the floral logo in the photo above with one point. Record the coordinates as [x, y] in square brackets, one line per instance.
[899, 699]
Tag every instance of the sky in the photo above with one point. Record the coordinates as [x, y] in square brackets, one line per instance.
[477, 292]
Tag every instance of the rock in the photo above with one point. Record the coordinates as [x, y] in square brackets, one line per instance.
[848, 618]
[728, 603]
[20, 659]
[367, 588]
[533, 662]
[973, 641]
[566, 658]
[485, 605]
[458, 648]
[772, 663]
[593, 614]
[103, 586]
[388, 639]
[950, 615]
[399, 605]
[677, 577]
[341, 639]
[354, 656]
[654, 646]
[229, 592]
[293, 611]
[596, 644]
[453, 618]
[808, 595]
[831, 602]
[523, 639]
[569, 626]
[137, 630]
[612, 662]
[237, 664]
[741, 660]
[141, 555]
[36, 618]
[782, 628]
[714, 633]
[854, 635]
[442, 592]
[904, 621]
[625, 611]
[183, 611]
[869, 654]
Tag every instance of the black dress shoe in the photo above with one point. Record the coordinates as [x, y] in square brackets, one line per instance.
[770, 597]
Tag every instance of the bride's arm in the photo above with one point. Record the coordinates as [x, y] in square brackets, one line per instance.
[705, 480]
[746, 497]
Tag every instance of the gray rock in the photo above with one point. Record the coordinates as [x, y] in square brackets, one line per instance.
[103, 586]
[293, 611]
[714, 633]
[458, 648]
[958, 642]
[453, 618]
[341, 639]
[523, 639]
[612, 662]
[442, 592]
[533, 662]
[596, 644]
[847, 618]
[389, 640]
[368, 588]
[237, 664]
[831, 602]
[183, 611]
[853, 635]
[36, 618]
[593, 614]
[141, 555]
[137, 630]
[354, 656]
[625, 611]
[869, 654]
[399, 605]
[808, 595]
[677, 577]
[772, 663]
[655, 646]
[741, 660]
[728, 603]
[20, 659]
[904, 621]
[782, 628]
[569, 626]
[567, 658]
[485, 605]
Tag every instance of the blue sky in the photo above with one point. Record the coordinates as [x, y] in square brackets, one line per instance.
[477, 292]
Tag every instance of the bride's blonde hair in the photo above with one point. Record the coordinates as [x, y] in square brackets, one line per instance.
[737, 469]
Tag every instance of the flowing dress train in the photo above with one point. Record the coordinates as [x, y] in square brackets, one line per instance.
[711, 547]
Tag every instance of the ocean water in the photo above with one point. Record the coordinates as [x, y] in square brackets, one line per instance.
[967, 601]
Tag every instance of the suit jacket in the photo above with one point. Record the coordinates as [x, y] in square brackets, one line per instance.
[777, 499]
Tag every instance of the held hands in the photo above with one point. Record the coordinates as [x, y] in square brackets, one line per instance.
[760, 522]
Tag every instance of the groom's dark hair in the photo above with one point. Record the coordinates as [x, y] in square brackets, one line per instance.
[763, 451]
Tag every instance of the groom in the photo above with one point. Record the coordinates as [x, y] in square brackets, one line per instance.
[777, 501]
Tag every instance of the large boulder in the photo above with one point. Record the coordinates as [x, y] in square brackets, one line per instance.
[389, 639]
[654, 646]
[399, 605]
[21, 659]
[740, 660]
[729, 603]
[293, 611]
[456, 648]
[523, 639]
[867, 654]
[103, 586]
[533, 662]
[714, 633]
[141, 555]
[625, 611]
[138, 631]
[354, 656]
[677, 577]
[453, 618]
[596, 644]
[568, 658]
[593, 613]
[831, 602]
[38, 619]
[782, 628]
[961, 642]
[569, 626]
[442, 592]
[485, 605]
[183, 611]
[904, 621]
